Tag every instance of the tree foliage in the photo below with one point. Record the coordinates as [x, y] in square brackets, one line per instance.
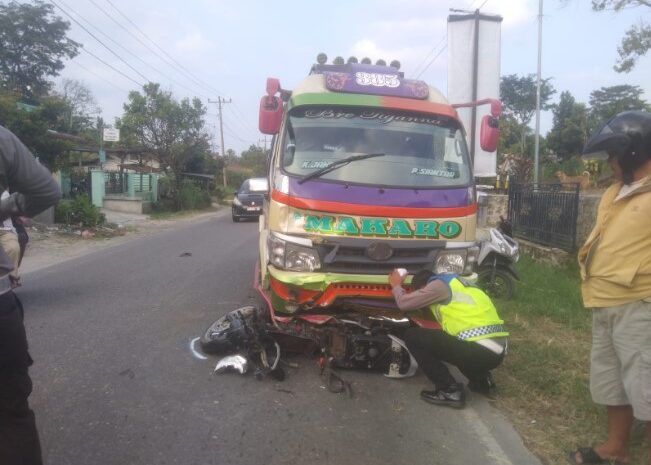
[569, 131]
[518, 95]
[255, 159]
[637, 40]
[172, 130]
[608, 101]
[33, 45]
[32, 127]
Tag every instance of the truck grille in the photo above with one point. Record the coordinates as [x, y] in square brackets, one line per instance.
[345, 255]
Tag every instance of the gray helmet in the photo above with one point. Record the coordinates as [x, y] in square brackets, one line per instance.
[627, 136]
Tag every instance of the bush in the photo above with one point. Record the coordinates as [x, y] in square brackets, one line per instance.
[188, 197]
[221, 193]
[192, 197]
[79, 212]
[236, 178]
[166, 187]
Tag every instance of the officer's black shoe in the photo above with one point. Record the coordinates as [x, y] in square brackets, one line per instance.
[484, 385]
[453, 396]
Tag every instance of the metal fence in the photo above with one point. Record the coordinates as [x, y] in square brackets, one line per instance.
[142, 182]
[116, 183]
[545, 213]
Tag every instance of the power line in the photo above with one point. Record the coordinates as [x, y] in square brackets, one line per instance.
[239, 112]
[126, 49]
[234, 135]
[128, 31]
[112, 67]
[99, 76]
[445, 36]
[246, 127]
[178, 65]
[432, 60]
[102, 43]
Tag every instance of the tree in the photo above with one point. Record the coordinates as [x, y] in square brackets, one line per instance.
[33, 44]
[32, 127]
[606, 102]
[200, 161]
[172, 130]
[81, 110]
[570, 127]
[255, 159]
[518, 94]
[637, 40]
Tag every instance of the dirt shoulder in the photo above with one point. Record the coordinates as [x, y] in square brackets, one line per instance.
[48, 246]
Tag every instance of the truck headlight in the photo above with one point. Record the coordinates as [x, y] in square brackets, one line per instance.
[450, 262]
[237, 202]
[293, 257]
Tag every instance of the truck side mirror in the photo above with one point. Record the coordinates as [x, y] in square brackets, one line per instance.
[271, 109]
[271, 114]
[489, 134]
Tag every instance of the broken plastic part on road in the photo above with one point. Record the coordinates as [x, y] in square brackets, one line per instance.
[232, 362]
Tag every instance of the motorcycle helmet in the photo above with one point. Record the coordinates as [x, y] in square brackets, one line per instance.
[627, 137]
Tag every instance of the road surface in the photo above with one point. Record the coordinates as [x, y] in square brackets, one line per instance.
[116, 382]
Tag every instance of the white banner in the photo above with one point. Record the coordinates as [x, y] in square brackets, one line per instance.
[461, 43]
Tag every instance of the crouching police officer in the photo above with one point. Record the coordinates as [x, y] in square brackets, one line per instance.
[473, 337]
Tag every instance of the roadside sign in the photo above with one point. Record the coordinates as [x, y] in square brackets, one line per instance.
[102, 156]
[111, 135]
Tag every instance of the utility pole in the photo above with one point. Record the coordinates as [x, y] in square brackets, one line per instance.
[265, 143]
[538, 82]
[221, 101]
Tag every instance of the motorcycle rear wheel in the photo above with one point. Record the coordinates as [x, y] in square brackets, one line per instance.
[496, 283]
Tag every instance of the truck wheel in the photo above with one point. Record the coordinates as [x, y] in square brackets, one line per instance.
[497, 284]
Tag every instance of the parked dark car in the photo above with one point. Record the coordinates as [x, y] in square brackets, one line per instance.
[247, 202]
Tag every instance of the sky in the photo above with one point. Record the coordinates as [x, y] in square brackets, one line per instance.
[226, 48]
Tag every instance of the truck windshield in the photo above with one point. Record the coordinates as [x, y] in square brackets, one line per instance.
[418, 150]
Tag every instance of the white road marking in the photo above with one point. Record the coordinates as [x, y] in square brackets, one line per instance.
[485, 436]
[194, 351]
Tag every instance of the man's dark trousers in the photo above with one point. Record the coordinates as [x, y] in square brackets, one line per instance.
[431, 348]
[19, 443]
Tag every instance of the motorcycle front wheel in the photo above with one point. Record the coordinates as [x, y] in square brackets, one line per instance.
[496, 283]
[215, 339]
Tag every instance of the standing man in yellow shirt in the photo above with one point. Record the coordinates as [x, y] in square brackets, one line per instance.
[615, 265]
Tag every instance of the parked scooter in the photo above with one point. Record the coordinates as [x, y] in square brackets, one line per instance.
[495, 270]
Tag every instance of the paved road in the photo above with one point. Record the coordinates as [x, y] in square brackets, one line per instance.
[116, 383]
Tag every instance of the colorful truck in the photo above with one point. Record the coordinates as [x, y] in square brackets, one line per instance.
[368, 172]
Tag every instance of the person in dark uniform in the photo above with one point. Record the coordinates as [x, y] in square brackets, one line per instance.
[34, 190]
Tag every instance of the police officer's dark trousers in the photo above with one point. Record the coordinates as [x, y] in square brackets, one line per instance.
[431, 348]
[19, 443]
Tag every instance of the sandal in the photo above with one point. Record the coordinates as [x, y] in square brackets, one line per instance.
[589, 455]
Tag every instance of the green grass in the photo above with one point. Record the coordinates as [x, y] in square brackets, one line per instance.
[545, 291]
[543, 382]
